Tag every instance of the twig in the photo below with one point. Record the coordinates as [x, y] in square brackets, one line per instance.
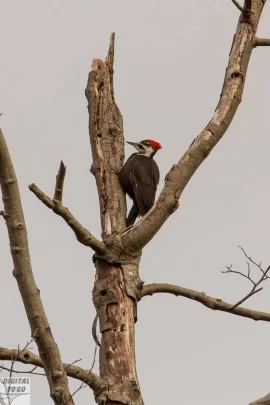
[252, 292]
[82, 234]
[229, 270]
[251, 260]
[235, 2]
[83, 384]
[210, 302]
[22, 371]
[74, 362]
[254, 289]
[59, 184]
[261, 42]
[19, 352]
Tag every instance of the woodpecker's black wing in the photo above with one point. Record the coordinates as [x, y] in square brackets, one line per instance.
[144, 178]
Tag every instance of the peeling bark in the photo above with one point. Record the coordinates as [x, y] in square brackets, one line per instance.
[107, 143]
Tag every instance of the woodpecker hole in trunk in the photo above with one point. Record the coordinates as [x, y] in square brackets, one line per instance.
[103, 292]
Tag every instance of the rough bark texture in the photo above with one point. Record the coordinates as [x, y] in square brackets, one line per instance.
[107, 142]
[30, 294]
[117, 280]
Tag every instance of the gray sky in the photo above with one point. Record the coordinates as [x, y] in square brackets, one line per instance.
[170, 63]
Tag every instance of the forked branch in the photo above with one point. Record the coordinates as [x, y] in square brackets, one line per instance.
[209, 302]
[28, 357]
[254, 289]
[231, 95]
[40, 328]
[82, 234]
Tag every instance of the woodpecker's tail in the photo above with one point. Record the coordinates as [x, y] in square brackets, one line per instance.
[133, 214]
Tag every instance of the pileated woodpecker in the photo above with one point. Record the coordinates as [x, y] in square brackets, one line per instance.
[139, 178]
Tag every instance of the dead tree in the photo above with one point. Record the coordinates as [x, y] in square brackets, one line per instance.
[118, 286]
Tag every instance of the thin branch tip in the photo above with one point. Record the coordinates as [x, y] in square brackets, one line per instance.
[59, 185]
[240, 8]
[254, 289]
[110, 56]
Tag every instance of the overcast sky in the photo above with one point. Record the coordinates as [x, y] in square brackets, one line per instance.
[169, 69]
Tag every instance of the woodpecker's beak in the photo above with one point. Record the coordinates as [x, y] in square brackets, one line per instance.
[135, 144]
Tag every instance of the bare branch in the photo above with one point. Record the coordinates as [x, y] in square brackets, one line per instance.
[181, 173]
[261, 42]
[83, 384]
[235, 2]
[251, 260]
[23, 273]
[210, 302]
[28, 357]
[254, 289]
[252, 292]
[22, 371]
[262, 401]
[59, 184]
[229, 270]
[82, 234]
[18, 354]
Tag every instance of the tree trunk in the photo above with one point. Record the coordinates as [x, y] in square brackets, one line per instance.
[117, 287]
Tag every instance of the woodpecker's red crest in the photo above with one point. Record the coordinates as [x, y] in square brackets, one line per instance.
[156, 144]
